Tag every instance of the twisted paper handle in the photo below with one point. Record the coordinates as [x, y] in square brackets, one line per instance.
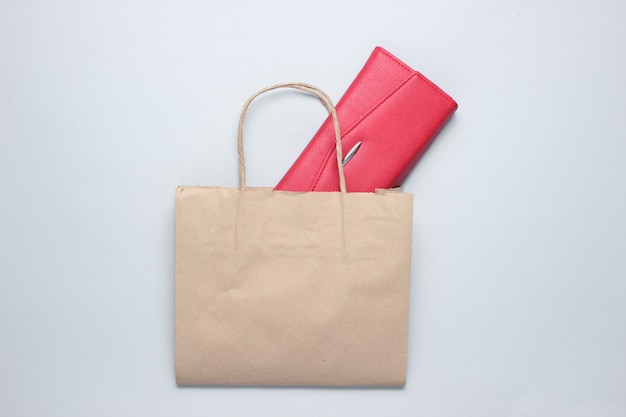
[323, 97]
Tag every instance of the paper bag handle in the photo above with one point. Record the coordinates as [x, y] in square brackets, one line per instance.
[323, 97]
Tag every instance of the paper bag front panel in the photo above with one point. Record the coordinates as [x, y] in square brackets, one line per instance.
[279, 288]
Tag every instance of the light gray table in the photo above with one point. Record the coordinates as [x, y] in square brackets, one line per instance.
[519, 275]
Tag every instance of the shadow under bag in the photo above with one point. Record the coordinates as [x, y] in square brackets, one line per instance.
[292, 288]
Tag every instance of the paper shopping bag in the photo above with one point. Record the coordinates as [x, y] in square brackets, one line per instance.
[287, 288]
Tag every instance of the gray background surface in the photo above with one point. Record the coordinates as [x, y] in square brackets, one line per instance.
[519, 275]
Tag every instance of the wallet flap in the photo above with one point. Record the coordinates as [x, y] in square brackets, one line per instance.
[394, 111]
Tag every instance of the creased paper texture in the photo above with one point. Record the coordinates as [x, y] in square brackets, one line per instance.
[280, 288]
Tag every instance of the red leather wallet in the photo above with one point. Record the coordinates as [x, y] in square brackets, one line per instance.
[394, 113]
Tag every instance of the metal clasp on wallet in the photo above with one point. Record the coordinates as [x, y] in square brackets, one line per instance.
[351, 154]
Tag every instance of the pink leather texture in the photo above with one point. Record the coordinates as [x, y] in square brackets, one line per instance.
[394, 111]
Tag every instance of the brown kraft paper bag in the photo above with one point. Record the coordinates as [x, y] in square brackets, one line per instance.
[286, 288]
